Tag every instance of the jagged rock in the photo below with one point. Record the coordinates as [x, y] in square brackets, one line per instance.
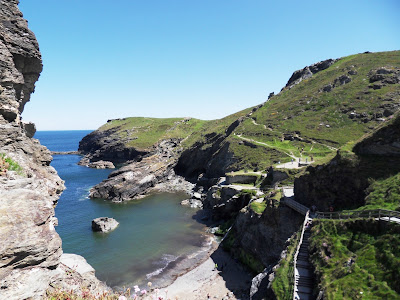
[104, 224]
[299, 75]
[137, 178]
[101, 164]
[30, 248]
[263, 237]
[30, 129]
[384, 142]
[344, 79]
[225, 200]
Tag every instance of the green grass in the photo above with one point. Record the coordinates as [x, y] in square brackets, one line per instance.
[8, 164]
[143, 133]
[356, 259]
[306, 110]
[258, 207]
[384, 194]
[283, 282]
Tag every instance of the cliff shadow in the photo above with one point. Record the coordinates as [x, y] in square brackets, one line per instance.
[237, 278]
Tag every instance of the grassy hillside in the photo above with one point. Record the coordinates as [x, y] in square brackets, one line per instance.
[308, 118]
[142, 133]
[357, 259]
[332, 109]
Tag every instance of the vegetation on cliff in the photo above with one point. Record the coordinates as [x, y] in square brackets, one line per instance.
[356, 259]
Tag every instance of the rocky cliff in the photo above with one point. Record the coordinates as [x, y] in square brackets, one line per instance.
[30, 249]
[137, 178]
[342, 182]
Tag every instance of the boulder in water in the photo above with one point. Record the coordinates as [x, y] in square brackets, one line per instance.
[104, 224]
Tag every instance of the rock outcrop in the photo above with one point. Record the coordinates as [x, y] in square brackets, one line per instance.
[104, 224]
[138, 177]
[300, 75]
[30, 248]
[103, 145]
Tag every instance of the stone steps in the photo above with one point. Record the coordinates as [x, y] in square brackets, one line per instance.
[304, 279]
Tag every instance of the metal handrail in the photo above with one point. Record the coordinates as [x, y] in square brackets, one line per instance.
[306, 219]
[374, 213]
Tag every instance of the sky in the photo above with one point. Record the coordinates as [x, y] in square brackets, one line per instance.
[184, 58]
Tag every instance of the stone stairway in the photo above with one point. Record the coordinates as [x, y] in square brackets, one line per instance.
[304, 278]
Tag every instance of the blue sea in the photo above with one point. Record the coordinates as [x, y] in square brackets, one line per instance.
[154, 232]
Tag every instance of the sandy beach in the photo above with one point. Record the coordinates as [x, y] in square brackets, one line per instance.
[229, 281]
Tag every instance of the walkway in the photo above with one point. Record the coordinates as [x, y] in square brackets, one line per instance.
[303, 269]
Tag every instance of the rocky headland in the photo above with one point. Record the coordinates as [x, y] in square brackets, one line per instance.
[32, 260]
[338, 117]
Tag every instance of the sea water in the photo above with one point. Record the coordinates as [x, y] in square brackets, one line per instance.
[154, 232]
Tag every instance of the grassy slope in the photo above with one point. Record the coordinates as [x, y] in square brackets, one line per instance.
[384, 194]
[142, 133]
[306, 110]
[357, 259]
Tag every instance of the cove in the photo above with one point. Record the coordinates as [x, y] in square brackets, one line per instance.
[154, 234]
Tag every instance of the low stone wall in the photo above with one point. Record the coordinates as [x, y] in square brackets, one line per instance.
[243, 178]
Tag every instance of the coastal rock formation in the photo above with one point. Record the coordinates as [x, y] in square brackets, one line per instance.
[101, 164]
[103, 145]
[30, 248]
[104, 224]
[138, 177]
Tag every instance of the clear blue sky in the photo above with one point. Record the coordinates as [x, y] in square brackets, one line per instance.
[175, 58]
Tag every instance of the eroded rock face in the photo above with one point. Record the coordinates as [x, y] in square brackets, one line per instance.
[30, 248]
[138, 177]
[102, 145]
[265, 236]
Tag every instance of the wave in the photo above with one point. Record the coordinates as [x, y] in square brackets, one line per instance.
[166, 259]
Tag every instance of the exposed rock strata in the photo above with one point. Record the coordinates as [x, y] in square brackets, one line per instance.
[30, 248]
[137, 178]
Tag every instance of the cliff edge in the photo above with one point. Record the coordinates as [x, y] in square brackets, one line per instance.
[31, 257]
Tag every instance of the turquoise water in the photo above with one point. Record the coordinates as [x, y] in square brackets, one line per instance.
[153, 235]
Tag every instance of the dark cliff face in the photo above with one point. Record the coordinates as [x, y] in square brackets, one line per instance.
[338, 184]
[264, 237]
[102, 145]
[384, 142]
[343, 182]
[212, 161]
